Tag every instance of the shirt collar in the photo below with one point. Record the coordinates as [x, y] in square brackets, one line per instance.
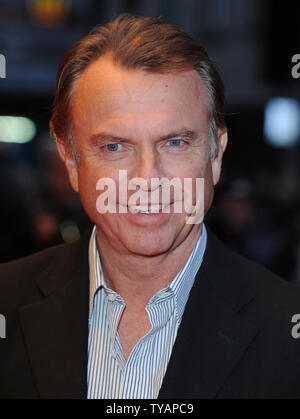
[180, 286]
[96, 273]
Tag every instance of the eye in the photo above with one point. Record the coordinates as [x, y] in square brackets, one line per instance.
[113, 147]
[176, 143]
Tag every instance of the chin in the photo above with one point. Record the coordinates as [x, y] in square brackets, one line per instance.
[149, 247]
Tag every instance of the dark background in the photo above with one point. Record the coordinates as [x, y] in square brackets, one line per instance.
[257, 206]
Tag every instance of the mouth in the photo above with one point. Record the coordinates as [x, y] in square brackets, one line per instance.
[147, 209]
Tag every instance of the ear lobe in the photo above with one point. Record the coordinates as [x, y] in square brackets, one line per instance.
[217, 161]
[71, 165]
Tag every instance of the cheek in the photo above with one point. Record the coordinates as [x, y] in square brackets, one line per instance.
[87, 180]
[97, 187]
[204, 171]
[208, 190]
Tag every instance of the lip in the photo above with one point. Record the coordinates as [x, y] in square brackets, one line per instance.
[153, 219]
[142, 208]
[126, 207]
[148, 220]
[151, 203]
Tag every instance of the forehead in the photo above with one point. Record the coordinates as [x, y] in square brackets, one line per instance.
[108, 93]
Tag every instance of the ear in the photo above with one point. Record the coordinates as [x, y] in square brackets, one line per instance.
[71, 164]
[217, 161]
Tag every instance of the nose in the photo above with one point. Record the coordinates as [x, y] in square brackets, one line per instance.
[148, 168]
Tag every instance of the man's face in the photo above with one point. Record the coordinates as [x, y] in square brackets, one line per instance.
[153, 126]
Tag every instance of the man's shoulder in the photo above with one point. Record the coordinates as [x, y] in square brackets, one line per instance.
[265, 282]
[258, 300]
[272, 291]
[19, 278]
[253, 305]
[31, 264]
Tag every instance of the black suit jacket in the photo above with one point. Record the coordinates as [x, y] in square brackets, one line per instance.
[234, 341]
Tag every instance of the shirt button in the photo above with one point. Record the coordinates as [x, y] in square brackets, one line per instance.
[110, 297]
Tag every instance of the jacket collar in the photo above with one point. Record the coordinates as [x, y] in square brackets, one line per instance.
[212, 337]
[56, 327]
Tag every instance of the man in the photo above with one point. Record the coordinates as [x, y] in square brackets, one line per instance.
[147, 304]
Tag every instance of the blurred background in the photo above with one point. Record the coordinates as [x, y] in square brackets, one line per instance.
[254, 43]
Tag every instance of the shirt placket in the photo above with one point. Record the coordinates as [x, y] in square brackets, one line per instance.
[115, 307]
[160, 310]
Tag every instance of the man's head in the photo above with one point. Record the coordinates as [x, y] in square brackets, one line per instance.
[137, 44]
[141, 96]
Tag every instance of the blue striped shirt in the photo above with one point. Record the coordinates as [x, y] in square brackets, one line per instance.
[110, 376]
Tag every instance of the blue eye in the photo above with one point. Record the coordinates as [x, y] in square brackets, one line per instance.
[113, 147]
[175, 142]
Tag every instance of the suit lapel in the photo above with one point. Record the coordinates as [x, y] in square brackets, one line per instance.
[213, 336]
[56, 327]
[211, 340]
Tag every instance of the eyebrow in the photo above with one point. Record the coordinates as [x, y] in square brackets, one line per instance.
[95, 139]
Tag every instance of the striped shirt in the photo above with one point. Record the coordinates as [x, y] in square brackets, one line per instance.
[110, 376]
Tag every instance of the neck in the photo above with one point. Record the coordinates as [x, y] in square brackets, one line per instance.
[136, 277]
